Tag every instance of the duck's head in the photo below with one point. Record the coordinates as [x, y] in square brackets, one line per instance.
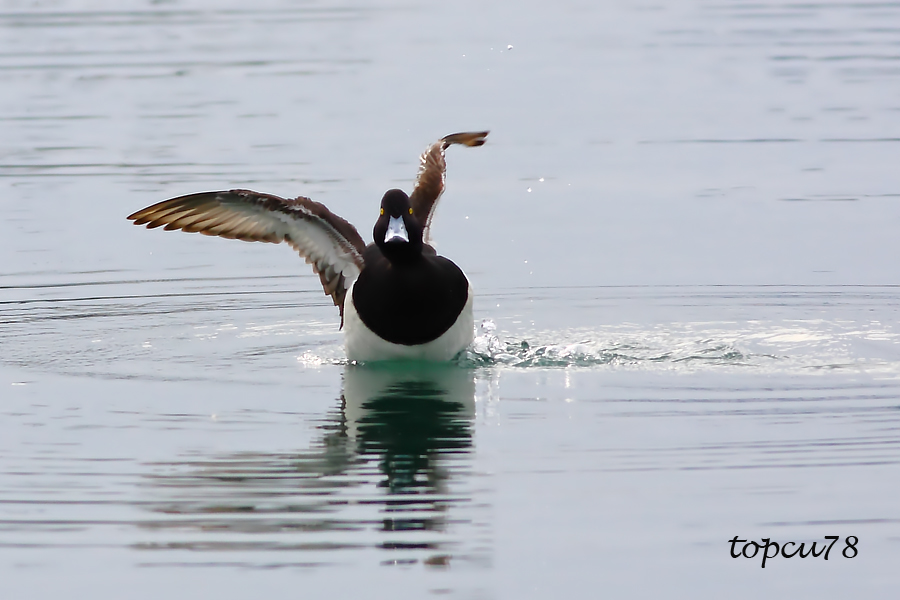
[397, 232]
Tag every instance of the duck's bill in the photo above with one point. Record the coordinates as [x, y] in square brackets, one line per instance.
[396, 231]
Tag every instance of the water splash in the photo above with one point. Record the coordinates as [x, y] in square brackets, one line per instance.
[784, 347]
[488, 350]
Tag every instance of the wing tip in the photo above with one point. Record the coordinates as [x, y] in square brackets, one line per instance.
[471, 139]
[137, 217]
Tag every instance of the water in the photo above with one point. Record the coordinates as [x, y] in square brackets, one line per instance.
[681, 232]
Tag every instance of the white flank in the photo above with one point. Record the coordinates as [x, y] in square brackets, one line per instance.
[363, 345]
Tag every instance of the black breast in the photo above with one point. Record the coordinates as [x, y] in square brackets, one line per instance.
[410, 303]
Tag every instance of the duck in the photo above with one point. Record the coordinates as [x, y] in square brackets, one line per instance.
[398, 298]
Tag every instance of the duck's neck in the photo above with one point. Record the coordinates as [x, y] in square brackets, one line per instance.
[402, 253]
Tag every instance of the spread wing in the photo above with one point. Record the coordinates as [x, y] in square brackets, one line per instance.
[430, 182]
[329, 243]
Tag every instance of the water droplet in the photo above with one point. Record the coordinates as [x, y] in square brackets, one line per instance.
[509, 47]
[528, 190]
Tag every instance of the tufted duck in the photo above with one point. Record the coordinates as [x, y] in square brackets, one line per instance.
[405, 301]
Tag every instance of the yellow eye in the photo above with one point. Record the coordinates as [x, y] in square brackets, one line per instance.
[382, 211]
[410, 210]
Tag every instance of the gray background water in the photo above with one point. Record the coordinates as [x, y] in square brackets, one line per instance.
[683, 226]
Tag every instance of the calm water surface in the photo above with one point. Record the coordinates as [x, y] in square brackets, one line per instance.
[683, 237]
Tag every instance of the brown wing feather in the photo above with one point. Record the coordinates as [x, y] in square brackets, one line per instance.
[330, 244]
[432, 170]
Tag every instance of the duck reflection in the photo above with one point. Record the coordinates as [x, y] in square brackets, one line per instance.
[409, 418]
[400, 439]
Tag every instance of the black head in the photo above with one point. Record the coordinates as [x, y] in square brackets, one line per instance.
[397, 232]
